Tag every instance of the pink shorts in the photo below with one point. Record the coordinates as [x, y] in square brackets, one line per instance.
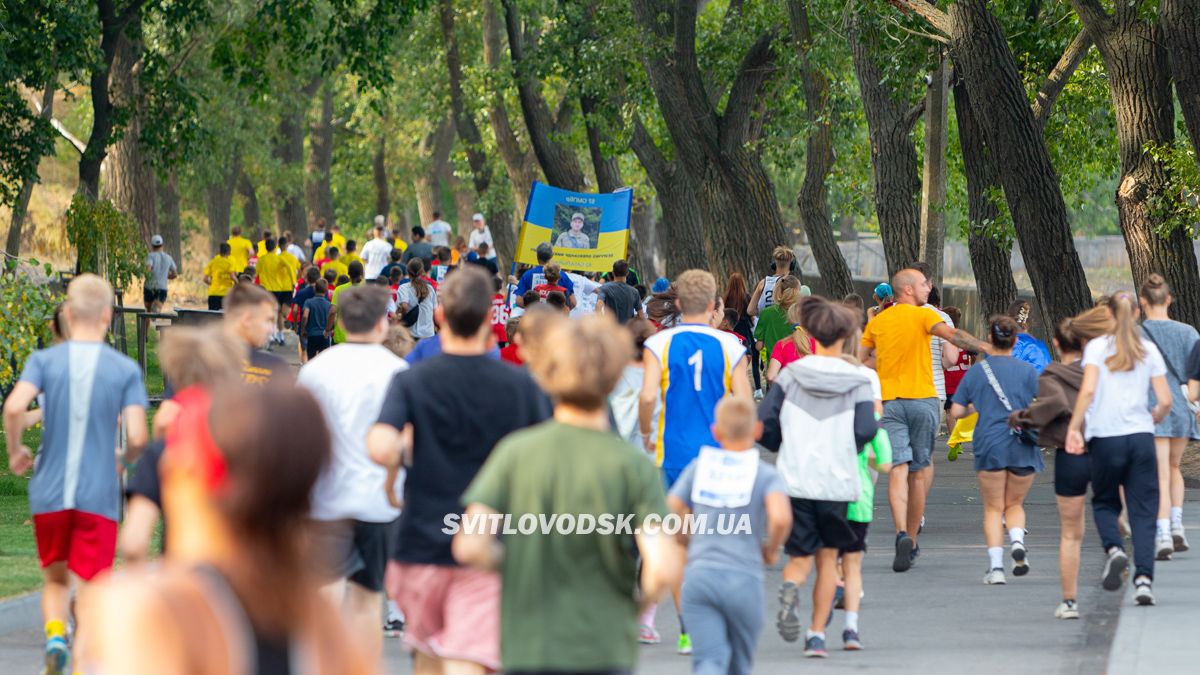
[449, 612]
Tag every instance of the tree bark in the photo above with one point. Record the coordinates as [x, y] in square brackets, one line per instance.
[112, 25]
[464, 121]
[933, 183]
[20, 207]
[681, 220]
[318, 192]
[434, 149]
[129, 179]
[896, 182]
[383, 200]
[169, 220]
[991, 254]
[219, 199]
[981, 54]
[1135, 59]
[813, 198]
[642, 240]
[1181, 36]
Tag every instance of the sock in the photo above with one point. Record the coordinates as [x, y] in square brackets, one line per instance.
[1176, 515]
[808, 634]
[852, 621]
[1017, 535]
[1164, 525]
[682, 628]
[393, 611]
[56, 628]
[996, 557]
[647, 617]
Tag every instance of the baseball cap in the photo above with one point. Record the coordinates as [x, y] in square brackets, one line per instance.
[883, 291]
[661, 285]
[156, 240]
[577, 215]
[477, 216]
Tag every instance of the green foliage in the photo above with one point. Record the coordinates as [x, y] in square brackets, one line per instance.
[27, 303]
[1178, 206]
[106, 240]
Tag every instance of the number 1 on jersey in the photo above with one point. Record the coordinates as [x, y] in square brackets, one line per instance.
[697, 362]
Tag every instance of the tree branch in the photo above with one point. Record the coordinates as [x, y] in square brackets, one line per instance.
[1060, 75]
[914, 113]
[757, 66]
[652, 159]
[39, 108]
[123, 19]
[932, 15]
[1092, 15]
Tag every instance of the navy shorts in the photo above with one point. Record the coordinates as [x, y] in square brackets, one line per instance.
[1072, 473]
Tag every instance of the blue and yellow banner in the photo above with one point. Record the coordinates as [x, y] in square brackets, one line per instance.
[589, 231]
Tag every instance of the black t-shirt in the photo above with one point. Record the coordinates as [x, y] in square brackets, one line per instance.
[264, 367]
[488, 264]
[144, 480]
[621, 299]
[460, 407]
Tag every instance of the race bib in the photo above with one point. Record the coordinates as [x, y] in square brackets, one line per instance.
[724, 479]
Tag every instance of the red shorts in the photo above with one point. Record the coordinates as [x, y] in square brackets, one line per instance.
[85, 541]
[449, 612]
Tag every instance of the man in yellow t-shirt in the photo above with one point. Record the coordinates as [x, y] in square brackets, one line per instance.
[262, 243]
[333, 240]
[351, 254]
[335, 263]
[899, 336]
[219, 276]
[239, 250]
[275, 274]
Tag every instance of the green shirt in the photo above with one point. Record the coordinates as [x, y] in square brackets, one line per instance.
[863, 510]
[773, 326]
[568, 600]
[339, 334]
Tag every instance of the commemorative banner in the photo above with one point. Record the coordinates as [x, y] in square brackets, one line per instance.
[589, 231]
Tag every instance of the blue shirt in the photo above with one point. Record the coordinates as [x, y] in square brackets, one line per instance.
[86, 386]
[995, 446]
[306, 291]
[535, 277]
[1032, 351]
[318, 308]
[431, 347]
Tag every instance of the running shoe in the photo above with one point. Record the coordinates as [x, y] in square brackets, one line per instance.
[758, 394]
[685, 644]
[1143, 594]
[57, 655]
[814, 647]
[851, 641]
[1067, 609]
[995, 577]
[393, 628]
[1114, 569]
[1020, 559]
[648, 636]
[916, 553]
[1178, 538]
[788, 621]
[904, 550]
[839, 598]
[921, 527]
[1164, 546]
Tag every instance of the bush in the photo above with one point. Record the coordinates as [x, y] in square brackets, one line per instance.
[27, 303]
[106, 240]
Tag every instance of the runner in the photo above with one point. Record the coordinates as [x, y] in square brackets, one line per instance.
[617, 298]
[500, 313]
[723, 594]
[352, 254]
[897, 341]
[689, 369]
[783, 260]
[773, 322]
[160, 268]
[314, 320]
[1028, 349]
[553, 273]
[1005, 462]
[536, 276]
[588, 296]
[1118, 372]
[439, 230]
[220, 276]
[239, 249]
[376, 254]
[356, 279]
[334, 262]
[792, 348]
[884, 297]
[419, 248]
[354, 522]
[485, 258]
[481, 234]
[1050, 412]
[250, 317]
[737, 298]
[277, 274]
[418, 295]
[818, 457]
[89, 389]
[573, 465]
[333, 239]
[625, 395]
[453, 613]
[1175, 342]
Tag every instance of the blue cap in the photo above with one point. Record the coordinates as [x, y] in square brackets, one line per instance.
[661, 285]
[883, 291]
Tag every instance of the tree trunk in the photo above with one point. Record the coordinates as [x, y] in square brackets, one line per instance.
[383, 200]
[219, 199]
[1139, 83]
[251, 216]
[169, 221]
[129, 179]
[890, 120]
[90, 161]
[641, 240]
[465, 200]
[434, 149]
[991, 253]
[813, 198]
[608, 170]
[289, 150]
[464, 121]
[20, 207]
[981, 54]
[1181, 36]
[318, 192]
[933, 184]
[681, 220]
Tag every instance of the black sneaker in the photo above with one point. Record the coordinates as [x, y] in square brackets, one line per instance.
[393, 628]
[1114, 569]
[904, 551]
[814, 647]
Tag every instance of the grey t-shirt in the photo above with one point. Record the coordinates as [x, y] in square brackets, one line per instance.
[86, 385]
[1175, 341]
[722, 544]
[621, 299]
[161, 265]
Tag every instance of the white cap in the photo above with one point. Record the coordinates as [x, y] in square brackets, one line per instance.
[477, 216]
[156, 240]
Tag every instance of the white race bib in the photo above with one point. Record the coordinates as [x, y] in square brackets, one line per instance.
[724, 479]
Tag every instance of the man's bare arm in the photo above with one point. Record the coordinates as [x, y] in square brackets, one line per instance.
[961, 339]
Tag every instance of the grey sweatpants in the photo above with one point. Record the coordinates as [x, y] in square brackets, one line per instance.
[723, 610]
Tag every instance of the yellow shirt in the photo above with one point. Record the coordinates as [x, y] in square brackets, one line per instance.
[336, 265]
[220, 271]
[293, 265]
[900, 336]
[335, 240]
[400, 245]
[351, 257]
[339, 334]
[273, 273]
[239, 252]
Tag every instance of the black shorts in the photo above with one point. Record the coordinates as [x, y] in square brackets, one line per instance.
[284, 298]
[215, 302]
[860, 531]
[1018, 471]
[150, 295]
[816, 525]
[315, 344]
[1072, 473]
[354, 550]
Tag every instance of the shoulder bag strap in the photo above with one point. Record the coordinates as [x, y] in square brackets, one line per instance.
[1170, 367]
[987, 370]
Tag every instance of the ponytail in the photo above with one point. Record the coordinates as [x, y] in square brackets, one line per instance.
[1128, 342]
[416, 275]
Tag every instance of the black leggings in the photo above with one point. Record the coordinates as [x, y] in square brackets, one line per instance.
[1130, 462]
[745, 329]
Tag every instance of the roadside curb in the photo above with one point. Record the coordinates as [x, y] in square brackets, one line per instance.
[20, 613]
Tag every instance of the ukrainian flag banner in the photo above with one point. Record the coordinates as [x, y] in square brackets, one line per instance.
[589, 231]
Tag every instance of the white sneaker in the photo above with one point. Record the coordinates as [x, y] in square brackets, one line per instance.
[1143, 594]
[1067, 609]
[1178, 538]
[1020, 559]
[994, 577]
[1164, 545]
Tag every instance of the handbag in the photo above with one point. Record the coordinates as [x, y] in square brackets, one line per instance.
[1183, 387]
[1026, 436]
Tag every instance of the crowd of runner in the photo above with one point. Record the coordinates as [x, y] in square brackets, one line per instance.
[434, 395]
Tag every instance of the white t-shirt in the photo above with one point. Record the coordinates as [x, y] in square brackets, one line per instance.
[423, 328]
[376, 254]
[585, 295]
[298, 252]
[1122, 403]
[439, 233]
[767, 298]
[935, 351]
[349, 382]
[483, 236]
